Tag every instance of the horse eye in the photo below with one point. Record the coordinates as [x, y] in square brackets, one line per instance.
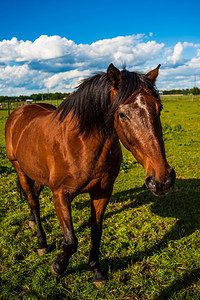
[122, 116]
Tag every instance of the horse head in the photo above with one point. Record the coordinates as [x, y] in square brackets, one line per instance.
[138, 126]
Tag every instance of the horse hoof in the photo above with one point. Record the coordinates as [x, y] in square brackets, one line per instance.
[42, 251]
[53, 272]
[98, 284]
[31, 224]
[99, 279]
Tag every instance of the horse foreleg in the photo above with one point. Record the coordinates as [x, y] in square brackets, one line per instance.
[62, 203]
[99, 200]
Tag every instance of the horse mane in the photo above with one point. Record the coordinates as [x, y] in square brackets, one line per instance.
[90, 103]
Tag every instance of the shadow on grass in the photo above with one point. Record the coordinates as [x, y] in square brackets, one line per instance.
[4, 170]
[182, 283]
[183, 204]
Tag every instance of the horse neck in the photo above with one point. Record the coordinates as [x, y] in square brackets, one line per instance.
[97, 142]
[101, 142]
[105, 149]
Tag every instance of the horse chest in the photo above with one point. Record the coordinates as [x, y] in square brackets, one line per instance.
[104, 170]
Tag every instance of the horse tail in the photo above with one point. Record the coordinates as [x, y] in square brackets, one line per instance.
[22, 194]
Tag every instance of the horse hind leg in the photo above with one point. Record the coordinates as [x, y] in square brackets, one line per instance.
[32, 194]
[23, 196]
[37, 188]
[32, 222]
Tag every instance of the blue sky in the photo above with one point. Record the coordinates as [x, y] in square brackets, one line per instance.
[51, 45]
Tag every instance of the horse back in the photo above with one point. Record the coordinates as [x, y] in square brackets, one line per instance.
[19, 120]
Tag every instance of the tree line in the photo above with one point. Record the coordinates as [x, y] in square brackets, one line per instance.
[36, 97]
[193, 91]
[60, 96]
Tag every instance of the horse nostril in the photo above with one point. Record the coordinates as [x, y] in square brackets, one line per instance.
[147, 180]
[150, 183]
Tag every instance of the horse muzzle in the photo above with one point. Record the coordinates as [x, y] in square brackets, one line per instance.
[158, 188]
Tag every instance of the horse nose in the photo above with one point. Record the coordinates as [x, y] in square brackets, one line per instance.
[159, 188]
[151, 184]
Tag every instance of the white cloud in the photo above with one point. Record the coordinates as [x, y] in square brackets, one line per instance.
[20, 76]
[176, 58]
[42, 48]
[57, 64]
[60, 79]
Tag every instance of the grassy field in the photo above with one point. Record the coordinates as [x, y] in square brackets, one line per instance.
[150, 246]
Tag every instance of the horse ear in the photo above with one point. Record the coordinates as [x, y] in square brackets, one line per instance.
[114, 76]
[152, 75]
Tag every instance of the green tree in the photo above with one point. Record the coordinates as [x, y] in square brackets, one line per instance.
[195, 91]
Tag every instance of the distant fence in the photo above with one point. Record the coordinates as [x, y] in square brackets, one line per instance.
[10, 106]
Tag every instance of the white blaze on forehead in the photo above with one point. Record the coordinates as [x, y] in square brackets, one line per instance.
[145, 130]
[140, 103]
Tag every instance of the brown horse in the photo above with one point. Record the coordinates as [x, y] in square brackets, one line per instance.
[75, 149]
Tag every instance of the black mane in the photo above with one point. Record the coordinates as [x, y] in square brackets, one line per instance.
[90, 103]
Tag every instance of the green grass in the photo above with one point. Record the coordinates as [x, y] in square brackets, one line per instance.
[150, 246]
